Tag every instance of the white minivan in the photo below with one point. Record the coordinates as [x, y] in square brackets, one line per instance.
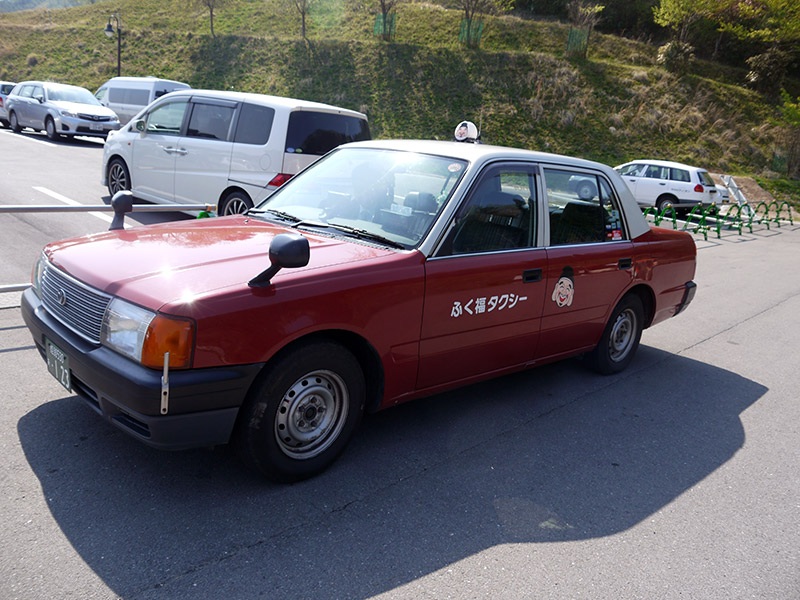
[231, 149]
[127, 96]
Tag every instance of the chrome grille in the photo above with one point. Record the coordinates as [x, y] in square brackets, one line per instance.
[75, 304]
[86, 117]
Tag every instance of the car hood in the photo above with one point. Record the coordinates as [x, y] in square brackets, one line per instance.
[84, 109]
[170, 263]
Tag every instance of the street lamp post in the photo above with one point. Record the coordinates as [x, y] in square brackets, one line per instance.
[109, 31]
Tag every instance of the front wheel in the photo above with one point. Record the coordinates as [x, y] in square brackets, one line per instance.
[50, 129]
[620, 339]
[118, 177]
[13, 121]
[302, 412]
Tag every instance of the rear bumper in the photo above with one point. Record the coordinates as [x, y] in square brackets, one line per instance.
[203, 403]
[688, 296]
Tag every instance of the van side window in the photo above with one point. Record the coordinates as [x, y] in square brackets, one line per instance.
[210, 121]
[318, 133]
[255, 124]
[680, 175]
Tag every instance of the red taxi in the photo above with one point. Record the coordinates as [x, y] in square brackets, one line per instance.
[387, 271]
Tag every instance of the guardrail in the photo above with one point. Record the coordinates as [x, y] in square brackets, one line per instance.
[121, 204]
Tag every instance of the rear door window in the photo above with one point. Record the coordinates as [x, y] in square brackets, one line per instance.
[317, 133]
[679, 175]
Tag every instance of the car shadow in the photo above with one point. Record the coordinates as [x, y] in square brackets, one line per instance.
[80, 141]
[550, 455]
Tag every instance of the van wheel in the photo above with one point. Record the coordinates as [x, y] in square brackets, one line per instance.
[235, 203]
[302, 412]
[118, 176]
[50, 129]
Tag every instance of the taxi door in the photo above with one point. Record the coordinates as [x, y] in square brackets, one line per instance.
[484, 288]
[589, 263]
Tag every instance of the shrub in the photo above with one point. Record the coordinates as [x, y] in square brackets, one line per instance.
[675, 56]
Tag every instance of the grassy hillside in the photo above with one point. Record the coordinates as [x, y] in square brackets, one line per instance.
[615, 106]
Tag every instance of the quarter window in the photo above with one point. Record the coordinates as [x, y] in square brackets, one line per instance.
[680, 175]
[255, 124]
[582, 209]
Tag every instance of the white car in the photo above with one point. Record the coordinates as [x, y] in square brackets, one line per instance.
[231, 149]
[661, 183]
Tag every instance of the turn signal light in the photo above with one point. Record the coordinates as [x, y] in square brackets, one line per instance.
[168, 334]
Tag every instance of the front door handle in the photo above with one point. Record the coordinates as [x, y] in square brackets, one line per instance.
[531, 275]
[625, 263]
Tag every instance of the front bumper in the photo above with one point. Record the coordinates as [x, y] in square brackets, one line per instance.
[77, 126]
[203, 403]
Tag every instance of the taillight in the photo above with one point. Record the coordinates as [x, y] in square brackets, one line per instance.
[280, 179]
[698, 188]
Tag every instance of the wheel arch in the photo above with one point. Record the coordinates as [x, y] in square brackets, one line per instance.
[364, 352]
[230, 190]
[648, 298]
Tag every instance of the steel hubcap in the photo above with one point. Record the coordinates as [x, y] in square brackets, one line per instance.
[622, 335]
[311, 414]
[236, 206]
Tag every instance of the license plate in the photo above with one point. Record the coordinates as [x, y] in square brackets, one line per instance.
[96, 126]
[58, 364]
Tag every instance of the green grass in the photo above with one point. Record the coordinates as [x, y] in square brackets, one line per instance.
[614, 106]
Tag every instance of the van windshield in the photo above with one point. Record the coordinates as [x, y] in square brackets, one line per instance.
[317, 133]
[394, 195]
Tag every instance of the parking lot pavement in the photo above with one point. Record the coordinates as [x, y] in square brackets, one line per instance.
[678, 478]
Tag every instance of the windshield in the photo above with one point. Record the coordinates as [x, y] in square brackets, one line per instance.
[384, 195]
[71, 94]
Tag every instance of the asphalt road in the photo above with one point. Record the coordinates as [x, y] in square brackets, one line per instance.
[679, 478]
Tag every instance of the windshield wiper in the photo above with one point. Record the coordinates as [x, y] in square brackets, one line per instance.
[280, 214]
[361, 234]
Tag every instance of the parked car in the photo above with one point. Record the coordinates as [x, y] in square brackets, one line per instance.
[226, 148]
[127, 96]
[5, 89]
[387, 271]
[662, 183]
[58, 109]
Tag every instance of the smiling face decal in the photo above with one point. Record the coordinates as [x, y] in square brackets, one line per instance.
[565, 288]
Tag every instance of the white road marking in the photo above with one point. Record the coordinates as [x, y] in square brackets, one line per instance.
[71, 202]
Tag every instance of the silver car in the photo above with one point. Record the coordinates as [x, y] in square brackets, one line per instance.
[58, 109]
[5, 89]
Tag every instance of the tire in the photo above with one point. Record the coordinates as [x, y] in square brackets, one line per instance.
[620, 339]
[302, 412]
[234, 203]
[586, 190]
[50, 129]
[13, 122]
[665, 201]
[118, 177]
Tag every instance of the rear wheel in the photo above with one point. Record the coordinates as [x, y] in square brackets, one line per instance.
[50, 129]
[118, 176]
[235, 203]
[302, 412]
[664, 202]
[620, 339]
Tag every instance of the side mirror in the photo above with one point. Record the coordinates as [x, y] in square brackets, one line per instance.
[139, 125]
[39, 98]
[287, 250]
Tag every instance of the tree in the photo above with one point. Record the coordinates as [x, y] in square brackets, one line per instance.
[680, 15]
[211, 6]
[583, 16]
[475, 8]
[386, 7]
[303, 6]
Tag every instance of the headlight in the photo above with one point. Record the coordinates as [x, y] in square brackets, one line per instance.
[67, 113]
[145, 336]
[36, 276]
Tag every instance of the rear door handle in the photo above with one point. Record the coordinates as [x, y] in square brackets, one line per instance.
[625, 263]
[531, 275]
